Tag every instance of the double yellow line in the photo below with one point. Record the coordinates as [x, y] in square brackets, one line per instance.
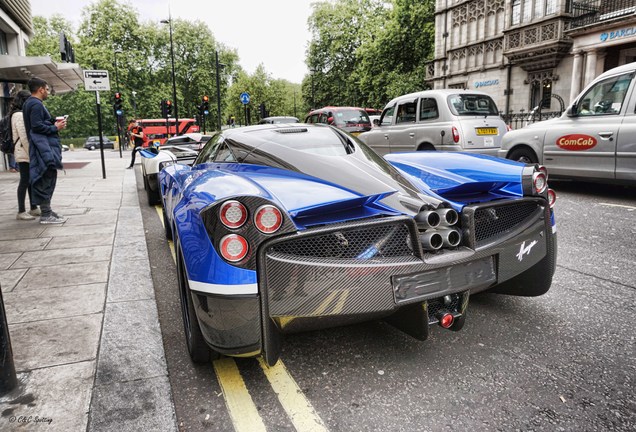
[239, 402]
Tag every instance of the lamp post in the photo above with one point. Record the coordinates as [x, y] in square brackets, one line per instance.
[174, 83]
[117, 116]
[218, 92]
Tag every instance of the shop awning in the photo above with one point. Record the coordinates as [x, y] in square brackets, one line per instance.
[62, 77]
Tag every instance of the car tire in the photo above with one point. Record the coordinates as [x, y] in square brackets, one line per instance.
[524, 155]
[166, 224]
[153, 196]
[199, 351]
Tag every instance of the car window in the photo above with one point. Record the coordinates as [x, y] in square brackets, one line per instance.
[224, 154]
[351, 117]
[387, 116]
[428, 109]
[208, 152]
[605, 97]
[468, 104]
[406, 112]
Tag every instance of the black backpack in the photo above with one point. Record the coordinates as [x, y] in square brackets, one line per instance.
[7, 144]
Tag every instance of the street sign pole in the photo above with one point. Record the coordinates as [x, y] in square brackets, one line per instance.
[97, 80]
[99, 130]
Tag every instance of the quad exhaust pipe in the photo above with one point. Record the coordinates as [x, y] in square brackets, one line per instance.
[434, 218]
[440, 231]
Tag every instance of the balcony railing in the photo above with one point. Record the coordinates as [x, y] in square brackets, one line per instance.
[587, 12]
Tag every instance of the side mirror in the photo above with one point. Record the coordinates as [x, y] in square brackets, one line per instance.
[572, 110]
[376, 122]
[330, 120]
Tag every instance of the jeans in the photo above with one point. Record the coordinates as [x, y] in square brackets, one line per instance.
[42, 191]
[134, 153]
[24, 186]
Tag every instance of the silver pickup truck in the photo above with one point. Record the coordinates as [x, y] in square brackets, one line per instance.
[595, 139]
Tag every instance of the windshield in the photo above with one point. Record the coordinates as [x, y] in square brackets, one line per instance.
[472, 105]
[351, 117]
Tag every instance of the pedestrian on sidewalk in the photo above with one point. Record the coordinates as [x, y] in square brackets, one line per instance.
[21, 154]
[45, 149]
[137, 133]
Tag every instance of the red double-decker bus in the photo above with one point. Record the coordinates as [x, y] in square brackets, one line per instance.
[156, 131]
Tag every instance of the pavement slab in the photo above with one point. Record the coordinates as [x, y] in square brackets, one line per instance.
[68, 275]
[23, 245]
[56, 399]
[63, 257]
[55, 342]
[10, 278]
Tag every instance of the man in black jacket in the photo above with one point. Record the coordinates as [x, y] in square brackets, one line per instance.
[45, 149]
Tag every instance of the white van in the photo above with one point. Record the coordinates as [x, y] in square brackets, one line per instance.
[595, 139]
[449, 120]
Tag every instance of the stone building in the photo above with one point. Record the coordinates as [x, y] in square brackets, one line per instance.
[526, 53]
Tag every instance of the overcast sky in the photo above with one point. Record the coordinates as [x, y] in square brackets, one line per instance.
[271, 32]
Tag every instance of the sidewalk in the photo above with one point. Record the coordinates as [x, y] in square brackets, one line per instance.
[81, 307]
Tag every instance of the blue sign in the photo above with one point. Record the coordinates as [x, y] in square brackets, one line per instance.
[245, 98]
[626, 32]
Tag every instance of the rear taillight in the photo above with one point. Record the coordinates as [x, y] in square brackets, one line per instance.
[233, 247]
[544, 170]
[455, 134]
[233, 214]
[268, 219]
[552, 197]
[540, 182]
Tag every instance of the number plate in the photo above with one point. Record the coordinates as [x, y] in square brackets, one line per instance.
[487, 131]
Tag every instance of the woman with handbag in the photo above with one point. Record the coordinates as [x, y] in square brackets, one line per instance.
[21, 153]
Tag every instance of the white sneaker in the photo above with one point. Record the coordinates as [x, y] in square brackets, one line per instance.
[35, 212]
[24, 216]
[51, 220]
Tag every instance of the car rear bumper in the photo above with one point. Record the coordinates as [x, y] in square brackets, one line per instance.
[300, 292]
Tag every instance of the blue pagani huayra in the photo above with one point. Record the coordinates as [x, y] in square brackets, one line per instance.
[285, 228]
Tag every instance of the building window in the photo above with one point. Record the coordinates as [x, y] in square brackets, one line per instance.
[528, 10]
[541, 94]
[516, 12]
[550, 7]
[3, 43]
[458, 86]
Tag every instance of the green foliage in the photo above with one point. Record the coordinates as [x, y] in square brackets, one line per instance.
[361, 52]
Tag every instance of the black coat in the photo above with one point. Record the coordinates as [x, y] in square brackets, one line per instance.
[45, 147]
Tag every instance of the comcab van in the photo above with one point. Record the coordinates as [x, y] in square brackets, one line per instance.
[449, 120]
[595, 138]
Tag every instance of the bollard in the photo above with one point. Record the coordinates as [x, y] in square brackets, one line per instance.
[8, 380]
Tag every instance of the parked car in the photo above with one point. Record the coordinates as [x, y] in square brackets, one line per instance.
[278, 119]
[450, 120]
[285, 228]
[350, 119]
[592, 140]
[92, 143]
[183, 149]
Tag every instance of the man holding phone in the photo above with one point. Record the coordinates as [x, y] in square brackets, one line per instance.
[45, 149]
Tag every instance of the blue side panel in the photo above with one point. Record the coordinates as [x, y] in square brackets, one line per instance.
[202, 261]
[461, 178]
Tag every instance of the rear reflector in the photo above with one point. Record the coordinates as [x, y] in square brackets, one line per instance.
[233, 247]
[446, 320]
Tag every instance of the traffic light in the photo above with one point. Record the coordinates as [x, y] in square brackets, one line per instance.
[205, 105]
[117, 105]
[166, 108]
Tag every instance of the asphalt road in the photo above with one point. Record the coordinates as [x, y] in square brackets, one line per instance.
[563, 361]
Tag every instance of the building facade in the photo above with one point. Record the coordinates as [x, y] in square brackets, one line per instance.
[530, 53]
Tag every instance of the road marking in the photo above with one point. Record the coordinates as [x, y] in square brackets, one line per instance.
[239, 403]
[291, 397]
[619, 205]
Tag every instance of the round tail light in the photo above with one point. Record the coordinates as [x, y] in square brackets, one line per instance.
[540, 182]
[233, 214]
[455, 134]
[544, 170]
[268, 219]
[233, 247]
[552, 197]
